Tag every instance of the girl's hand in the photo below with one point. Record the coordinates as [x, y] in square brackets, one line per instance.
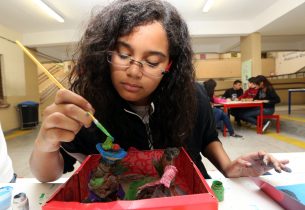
[62, 120]
[255, 164]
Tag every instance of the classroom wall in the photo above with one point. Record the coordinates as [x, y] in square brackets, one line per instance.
[222, 66]
[12, 64]
[282, 86]
[289, 62]
[227, 68]
[268, 66]
[19, 76]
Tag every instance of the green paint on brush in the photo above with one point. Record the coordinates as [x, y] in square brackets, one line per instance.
[107, 145]
[102, 128]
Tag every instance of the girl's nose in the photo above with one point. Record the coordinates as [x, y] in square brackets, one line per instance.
[135, 70]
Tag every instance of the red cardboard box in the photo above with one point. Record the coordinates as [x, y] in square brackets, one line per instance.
[71, 193]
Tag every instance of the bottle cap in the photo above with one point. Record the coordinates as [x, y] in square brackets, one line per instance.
[20, 202]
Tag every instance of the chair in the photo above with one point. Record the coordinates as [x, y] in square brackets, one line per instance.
[274, 116]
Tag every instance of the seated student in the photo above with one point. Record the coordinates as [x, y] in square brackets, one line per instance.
[267, 94]
[6, 167]
[251, 91]
[234, 92]
[219, 114]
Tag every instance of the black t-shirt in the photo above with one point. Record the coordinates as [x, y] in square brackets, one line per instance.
[229, 92]
[269, 95]
[136, 135]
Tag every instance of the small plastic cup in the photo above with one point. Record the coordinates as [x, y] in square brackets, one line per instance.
[234, 97]
[6, 197]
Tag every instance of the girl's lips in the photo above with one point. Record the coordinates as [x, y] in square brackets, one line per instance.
[131, 87]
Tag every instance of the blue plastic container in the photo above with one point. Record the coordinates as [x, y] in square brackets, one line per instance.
[5, 197]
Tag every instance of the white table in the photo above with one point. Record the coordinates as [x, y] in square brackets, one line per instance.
[243, 193]
[240, 193]
[37, 193]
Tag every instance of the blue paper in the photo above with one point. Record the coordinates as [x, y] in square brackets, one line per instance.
[296, 191]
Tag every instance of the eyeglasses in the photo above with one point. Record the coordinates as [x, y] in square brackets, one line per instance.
[147, 68]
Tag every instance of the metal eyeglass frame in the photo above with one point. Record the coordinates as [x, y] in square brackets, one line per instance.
[141, 64]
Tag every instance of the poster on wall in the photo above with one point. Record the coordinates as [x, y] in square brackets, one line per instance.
[246, 73]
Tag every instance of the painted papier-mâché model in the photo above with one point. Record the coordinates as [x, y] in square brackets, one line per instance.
[105, 182]
[167, 171]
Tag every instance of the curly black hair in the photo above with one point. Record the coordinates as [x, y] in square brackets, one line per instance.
[210, 86]
[175, 96]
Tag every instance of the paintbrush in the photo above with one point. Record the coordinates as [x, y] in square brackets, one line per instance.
[60, 86]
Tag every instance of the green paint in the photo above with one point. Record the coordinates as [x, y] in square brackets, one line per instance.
[96, 182]
[107, 145]
[131, 193]
[52, 185]
[218, 189]
[41, 198]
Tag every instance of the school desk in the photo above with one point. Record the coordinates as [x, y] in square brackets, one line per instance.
[244, 104]
[36, 192]
[243, 193]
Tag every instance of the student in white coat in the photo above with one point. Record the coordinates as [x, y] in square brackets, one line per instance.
[6, 166]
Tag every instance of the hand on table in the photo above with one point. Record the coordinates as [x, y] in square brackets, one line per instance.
[256, 164]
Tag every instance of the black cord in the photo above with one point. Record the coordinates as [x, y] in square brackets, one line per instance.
[2, 37]
[57, 60]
